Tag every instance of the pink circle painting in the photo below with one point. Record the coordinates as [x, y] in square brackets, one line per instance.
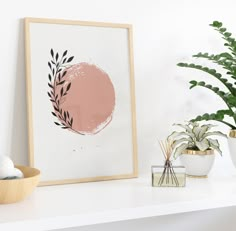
[83, 98]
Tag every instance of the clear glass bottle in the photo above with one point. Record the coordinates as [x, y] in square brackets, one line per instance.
[168, 175]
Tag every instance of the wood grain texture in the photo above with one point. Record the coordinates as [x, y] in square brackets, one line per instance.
[29, 93]
[12, 191]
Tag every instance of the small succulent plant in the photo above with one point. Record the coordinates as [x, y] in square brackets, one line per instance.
[194, 137]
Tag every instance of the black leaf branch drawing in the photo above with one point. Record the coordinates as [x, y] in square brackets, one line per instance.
[58, 71]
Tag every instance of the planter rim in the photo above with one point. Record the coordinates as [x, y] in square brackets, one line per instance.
[194, 152]
[232, 133]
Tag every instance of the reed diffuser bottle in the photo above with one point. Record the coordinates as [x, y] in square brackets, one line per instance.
[168, 175]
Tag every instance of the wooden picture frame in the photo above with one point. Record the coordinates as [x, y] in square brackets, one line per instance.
[81, 128]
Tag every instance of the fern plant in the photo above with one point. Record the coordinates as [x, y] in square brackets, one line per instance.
[194, 137]
[226, 60]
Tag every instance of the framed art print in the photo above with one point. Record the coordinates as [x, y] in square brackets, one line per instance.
[81, 102]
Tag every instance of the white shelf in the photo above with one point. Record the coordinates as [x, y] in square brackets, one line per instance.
[56, 207]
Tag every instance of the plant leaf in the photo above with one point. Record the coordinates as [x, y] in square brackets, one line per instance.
[64, 54]
[50, 85]
[175, 134]
[56, 109]
[68, 87]
[209, 71]
[231, 99]
[218, 116]
[216, 24]
[215, 133]
[64, 60]
[64, 73]
[70, 59]
[185, 127]
[214, 144]
[178, 151]
[54, 114]
[57, 56]
[181, 140]
[196, 131]
[63, 81]
[65, 115]
[203, 145]
[52, 53]
[205, 128]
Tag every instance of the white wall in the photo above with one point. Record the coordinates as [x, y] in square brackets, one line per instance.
[165, 32]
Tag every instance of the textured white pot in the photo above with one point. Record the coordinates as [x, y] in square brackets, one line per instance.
[197, 163]
[232, 146]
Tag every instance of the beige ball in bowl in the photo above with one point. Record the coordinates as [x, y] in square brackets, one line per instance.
[15, 190]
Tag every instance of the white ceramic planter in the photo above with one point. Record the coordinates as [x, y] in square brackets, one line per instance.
[197, 163]
[232, 146]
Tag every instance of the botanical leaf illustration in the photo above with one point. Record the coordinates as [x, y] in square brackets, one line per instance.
[82, 94]
[57, 72]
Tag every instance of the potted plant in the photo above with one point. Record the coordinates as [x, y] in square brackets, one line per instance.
[227, 61]
[195, 147]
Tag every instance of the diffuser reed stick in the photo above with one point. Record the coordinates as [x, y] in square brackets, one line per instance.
[168, 173]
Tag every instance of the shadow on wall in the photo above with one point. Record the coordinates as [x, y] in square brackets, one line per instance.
[19, 143]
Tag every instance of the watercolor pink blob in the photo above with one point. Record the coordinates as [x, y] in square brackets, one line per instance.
[90, 100]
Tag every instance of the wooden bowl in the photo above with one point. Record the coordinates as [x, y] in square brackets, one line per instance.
[12, 191]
